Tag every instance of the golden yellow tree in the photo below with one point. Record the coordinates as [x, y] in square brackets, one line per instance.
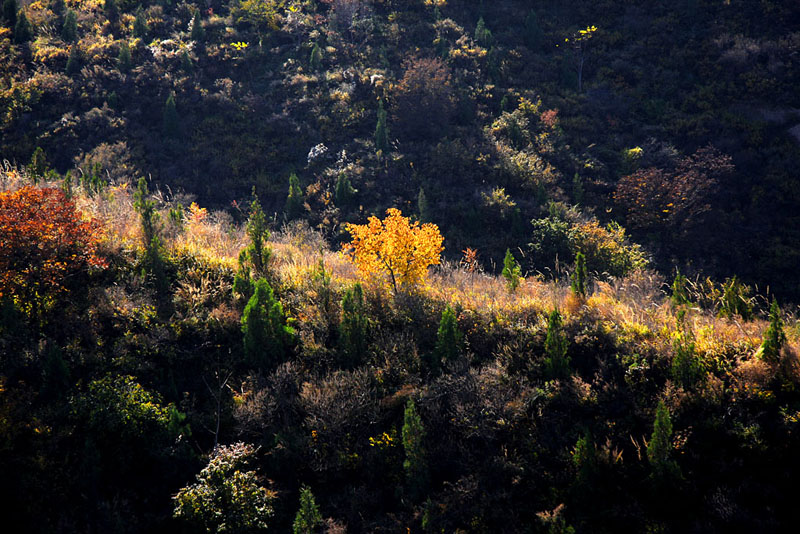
[395, 248]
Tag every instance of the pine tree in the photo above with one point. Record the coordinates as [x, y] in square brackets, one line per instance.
[354, 327]
[22, 29]
[140, 28]
[294, 202]
[556, 362]
[415, 464]
[680, 295]
[59, 7]
[198, 32]
[153, 262]
[124, 61]
[111, 10]
[73, 61]
[511, 271]
[687, 368]
[659, 449]
[448, 337]
[584, 457]
[10, 13]
[579, 276]
[69, 31]
[38, 167]
[483, 36]
[308, 518]
[423, 208]
[774, 336]
[170, 121]
[266, 335]
[577, 189]
[258, 252]
[381, 131]
[344, 191]
[315, 58]
[533, 32]
[186, 62]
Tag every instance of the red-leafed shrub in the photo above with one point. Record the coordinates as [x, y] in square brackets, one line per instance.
[44, 244]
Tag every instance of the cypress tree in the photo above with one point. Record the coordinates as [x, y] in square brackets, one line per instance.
[111, 10]
[258, 252]
[69, 31]
[22, 29]
[140, 24]
[308, 519]
[533, 32]
[659, 449]
[294, 201]
[422, 207]
[58, 7]
[10, 13]
[315, 59]
[153, 262]
[73, 61]
[170, 121]
[38, 166]
[198, 32]
[354, 327]
[483, 36]
[124, 61]
[774, 336]
[556, 362]
[680, 295]
[511, 271]
[344, 190]
[266, 335]
[448, 337]
[415, 464]
[579, 276]
[381, 131]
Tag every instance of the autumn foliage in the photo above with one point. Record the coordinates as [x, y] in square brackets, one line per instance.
[395, 249]
[44, 241]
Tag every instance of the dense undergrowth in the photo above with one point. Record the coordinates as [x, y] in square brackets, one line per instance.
[474, 115]
[453, 406]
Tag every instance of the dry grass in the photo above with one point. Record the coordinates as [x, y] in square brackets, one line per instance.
[635, 307]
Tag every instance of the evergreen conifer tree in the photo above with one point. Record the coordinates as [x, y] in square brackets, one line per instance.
[381, 131]
[171, 122]
[448, 337]
[680, 295]
[294, 202]
[415, 464]
[511, 271]
[579, 276]
[774, 336]
[344, 191]
[266, 335]
[186, 62]
[59, 7]
[354, 328]
[533, 32]
[22, 29]
[73, 61]
[124, 61]
[483, 36]
[111, 10]
[198, 32]
[423, 208]
[153, 262]
[10, 13]
[556, 362]
[38, 167]
[308, 519]
[69, 31]
[659, 449]
[315, 58]
[140, 28]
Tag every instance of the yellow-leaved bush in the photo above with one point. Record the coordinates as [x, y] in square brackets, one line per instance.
[395, 250]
